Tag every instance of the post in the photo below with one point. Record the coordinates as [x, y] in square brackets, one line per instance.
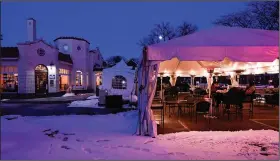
[216, 76]
[238, 77]
[210, 71]
[161, 91]
[192, 80]
[238, 72]
[173, 80]
[1, 81]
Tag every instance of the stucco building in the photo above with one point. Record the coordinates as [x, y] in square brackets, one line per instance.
[35, 66]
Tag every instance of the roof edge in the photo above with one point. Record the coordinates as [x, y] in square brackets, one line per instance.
[72, 37]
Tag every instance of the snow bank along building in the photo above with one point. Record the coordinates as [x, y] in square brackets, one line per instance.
[36, 67]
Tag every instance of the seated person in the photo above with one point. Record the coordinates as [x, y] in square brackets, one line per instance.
[249, 92]
[214, 87]
[250, 89]
[234, 96]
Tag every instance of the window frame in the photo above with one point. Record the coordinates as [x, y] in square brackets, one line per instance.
[119, 82]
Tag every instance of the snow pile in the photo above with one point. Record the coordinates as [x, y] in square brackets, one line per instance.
[68, 94]
[5, 100]
[92, 97]
[82, 137]
[132, 98]
[92, 103]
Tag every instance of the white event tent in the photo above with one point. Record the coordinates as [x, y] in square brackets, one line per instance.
[120, 69]
[218, 50]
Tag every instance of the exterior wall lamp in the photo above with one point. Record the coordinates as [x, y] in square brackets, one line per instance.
[51, 65]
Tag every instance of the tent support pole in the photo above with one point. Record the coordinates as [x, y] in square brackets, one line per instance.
[161, 91]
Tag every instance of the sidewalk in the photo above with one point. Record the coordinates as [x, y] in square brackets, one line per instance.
[51, 100]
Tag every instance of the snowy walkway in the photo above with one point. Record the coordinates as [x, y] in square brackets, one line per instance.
[51, 100]
[110, 137]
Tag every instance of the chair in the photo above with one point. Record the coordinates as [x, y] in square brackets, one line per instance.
[202, 107]
[159, 106]
[190, 104]
[157, 100]
[272, 99]
[234, 97]
[217, 99]
[170, 98]
[181, 96]
[258, 98]
[199, 93]
[250, 99]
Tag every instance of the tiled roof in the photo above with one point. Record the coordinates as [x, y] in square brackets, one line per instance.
[9, 52]
[36, 41]
[71, 37]
[94, 51]
[65, 58]
[97, 67]
[12, 52]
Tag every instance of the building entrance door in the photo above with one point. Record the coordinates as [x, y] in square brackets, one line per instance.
[41, 79]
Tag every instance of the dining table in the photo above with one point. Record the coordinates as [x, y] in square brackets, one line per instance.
[179, 103]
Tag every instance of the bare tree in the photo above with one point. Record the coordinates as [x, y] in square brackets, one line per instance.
[164, 29]
[167, 32]
[266, 14]
[260, 15]
[186, 29]
[241, 19]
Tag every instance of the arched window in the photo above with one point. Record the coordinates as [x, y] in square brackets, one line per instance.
[119, 82]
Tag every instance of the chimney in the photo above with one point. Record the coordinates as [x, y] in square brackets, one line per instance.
[31, 29]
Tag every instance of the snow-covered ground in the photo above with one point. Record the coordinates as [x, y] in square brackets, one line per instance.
[92, 97]
[111, 137]
[90, 103]
[68, 94]
[5, 100]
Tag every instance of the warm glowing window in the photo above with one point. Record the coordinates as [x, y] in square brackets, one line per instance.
[9, 79]
[79, 78]
[119, 82]
[64, 71]
[64, 82]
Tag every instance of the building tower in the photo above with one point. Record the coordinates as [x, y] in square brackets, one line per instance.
[31, 29]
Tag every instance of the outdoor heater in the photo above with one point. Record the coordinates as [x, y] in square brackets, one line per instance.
[238, 72]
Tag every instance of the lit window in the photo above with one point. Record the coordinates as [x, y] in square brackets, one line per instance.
[65, 47]
[63, 71]
[119, 82]
[9, 79]
[79, 78]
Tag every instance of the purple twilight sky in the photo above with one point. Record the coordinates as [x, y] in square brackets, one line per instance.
[115, 27]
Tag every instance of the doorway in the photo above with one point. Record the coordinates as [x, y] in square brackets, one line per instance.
[41, 79]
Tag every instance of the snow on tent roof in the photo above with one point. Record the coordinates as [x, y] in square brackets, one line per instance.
[120, 66]
[226, 36]
[214, 44]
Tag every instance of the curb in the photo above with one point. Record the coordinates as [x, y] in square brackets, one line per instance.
[60, 112]
[36, 102]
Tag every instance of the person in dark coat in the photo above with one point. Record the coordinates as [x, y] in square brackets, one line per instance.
[234, 96]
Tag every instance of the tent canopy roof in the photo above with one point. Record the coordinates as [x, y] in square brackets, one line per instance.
[218, 43]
